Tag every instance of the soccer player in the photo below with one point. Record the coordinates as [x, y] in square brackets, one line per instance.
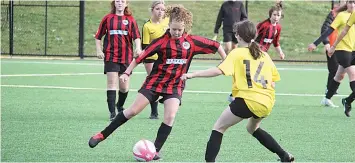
[347, 29]
[268, 32]
[153, 29]
[332, 63]
[119, 28]
[254, 75]
[231, 11]
[175, 50]
[343, 52]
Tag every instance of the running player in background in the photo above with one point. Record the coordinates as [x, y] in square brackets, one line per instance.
[343, 52]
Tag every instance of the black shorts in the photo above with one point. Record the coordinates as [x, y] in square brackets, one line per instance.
[153, 96]
[239, 108]
[115, 67]
[229, 36]
[149, 61]
[344, 58]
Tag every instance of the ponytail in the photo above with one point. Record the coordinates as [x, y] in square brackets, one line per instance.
[254, 50]
[127, 11]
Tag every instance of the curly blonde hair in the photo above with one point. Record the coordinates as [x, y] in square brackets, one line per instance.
[179, 13]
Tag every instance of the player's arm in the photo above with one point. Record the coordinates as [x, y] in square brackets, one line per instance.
[101, 31]
[145, 37]
[204, 45]
[277, 45]
[341, 36]
[219, 20]
[136, 37]
[326, 25]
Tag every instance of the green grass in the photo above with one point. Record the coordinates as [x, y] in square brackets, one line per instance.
[54, 125]
[301, 25]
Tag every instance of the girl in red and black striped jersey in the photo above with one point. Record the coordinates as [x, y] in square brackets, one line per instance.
[175, 49]
[269, 30]
[119, 28]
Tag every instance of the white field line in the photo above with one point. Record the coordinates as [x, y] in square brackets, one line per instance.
[185, 91]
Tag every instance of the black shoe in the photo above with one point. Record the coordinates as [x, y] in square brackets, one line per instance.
[157, 157]
[347, 107]
[112, 116]
[96, 139]
[153, 116]
[287, 158]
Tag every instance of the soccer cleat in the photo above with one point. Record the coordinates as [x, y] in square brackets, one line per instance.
[287, 158]
[112, 116]
[153, 116]
[157, 157]
[96, 139]
[347, 107]
[328, 102]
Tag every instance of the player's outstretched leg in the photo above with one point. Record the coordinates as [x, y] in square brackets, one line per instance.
[138, 105]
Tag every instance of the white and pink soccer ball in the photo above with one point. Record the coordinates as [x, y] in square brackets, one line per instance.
[144, 150]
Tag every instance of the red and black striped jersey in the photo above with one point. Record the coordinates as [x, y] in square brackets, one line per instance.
[174, 59]
[268, 34]
[119, 32]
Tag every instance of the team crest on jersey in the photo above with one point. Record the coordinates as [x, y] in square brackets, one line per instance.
[186, 45]
[125, 22]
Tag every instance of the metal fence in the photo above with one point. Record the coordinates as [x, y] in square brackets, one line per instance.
[45, 36]
[42, 14]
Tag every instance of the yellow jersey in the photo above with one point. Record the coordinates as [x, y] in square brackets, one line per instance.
[153, 31]
[339, 23]
[252, 79]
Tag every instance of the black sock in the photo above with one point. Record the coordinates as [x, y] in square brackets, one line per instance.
[268, 142]
[213, 146]
[333, 87]
[162, 135]
[121, 99]
[111, 100]
[154, 107]
[351, 97]
[119, 120]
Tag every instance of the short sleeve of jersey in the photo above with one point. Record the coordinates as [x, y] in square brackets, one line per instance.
[337, 21]
[351, 20]
[227, 66]
[145, 35]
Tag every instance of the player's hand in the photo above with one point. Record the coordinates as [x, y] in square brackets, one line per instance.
[124, 78]
[331, 51]
[186, 76]
[282, 55]
[311, 47]
[137, 52]
[327, 47]
[273, 84]
[215, 37]
[100, 54]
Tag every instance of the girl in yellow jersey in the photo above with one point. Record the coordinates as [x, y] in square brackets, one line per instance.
[254, 76]
[153, 29]
[347, 29]
[343, 53]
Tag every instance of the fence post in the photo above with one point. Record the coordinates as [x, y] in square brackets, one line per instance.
[11, 28]
[45, 28]
[332, 5]
[246, 6]
[81, 29]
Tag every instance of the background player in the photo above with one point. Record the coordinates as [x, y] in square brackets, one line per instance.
[119, 28]
[153, 29]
